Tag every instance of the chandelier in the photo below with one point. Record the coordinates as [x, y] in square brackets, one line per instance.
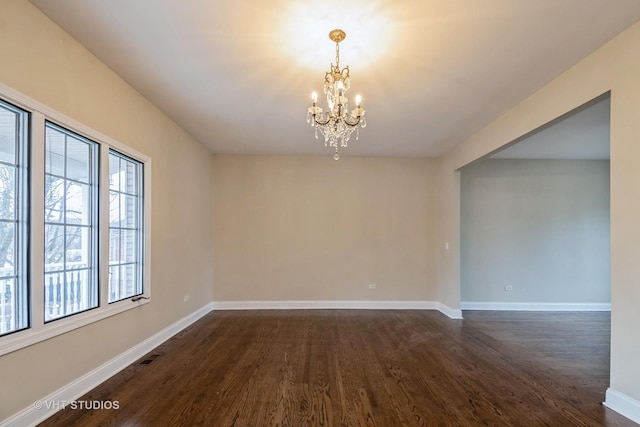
[337, 124]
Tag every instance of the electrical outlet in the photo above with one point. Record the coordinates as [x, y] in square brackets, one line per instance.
[372, 285]
[186, 298]
[508, 288]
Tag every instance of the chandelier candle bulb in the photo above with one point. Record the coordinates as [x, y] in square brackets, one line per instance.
[338, 123]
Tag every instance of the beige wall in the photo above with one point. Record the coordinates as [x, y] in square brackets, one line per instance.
[45, 63]
[312, 228]
[615, 67]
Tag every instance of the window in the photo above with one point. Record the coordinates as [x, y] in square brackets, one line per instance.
[70, 223]
[13, 219]
[73, 218]
[125, 227]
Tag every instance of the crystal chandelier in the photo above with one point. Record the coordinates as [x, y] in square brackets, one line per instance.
[337, 124]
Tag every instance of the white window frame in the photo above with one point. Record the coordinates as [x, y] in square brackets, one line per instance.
[139, 221]
[94, 217]
[21, 233]
[39, 330]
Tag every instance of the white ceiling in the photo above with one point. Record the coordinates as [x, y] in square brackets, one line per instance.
[237, 74]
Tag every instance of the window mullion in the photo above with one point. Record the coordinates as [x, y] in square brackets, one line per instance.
[103, 223]
[36, 274]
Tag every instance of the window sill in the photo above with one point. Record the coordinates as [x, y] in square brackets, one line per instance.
[28, 337]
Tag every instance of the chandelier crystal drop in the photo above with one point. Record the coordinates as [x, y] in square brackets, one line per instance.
[338, 123]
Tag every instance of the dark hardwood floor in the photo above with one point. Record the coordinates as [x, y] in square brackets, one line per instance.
[366, 368]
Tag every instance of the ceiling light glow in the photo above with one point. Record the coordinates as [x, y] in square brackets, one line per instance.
[306, 23]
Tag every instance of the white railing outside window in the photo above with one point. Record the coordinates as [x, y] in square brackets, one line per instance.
[7, 305]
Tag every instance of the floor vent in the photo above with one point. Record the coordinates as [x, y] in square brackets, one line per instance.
[149, 359]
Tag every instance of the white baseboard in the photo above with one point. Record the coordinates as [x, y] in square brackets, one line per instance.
[330, 305]
[452, 313]
[31, 415]
[623, 404]
[333, 305]
[535, 306]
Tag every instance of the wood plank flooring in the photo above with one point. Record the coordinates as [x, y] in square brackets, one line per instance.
[366, 368]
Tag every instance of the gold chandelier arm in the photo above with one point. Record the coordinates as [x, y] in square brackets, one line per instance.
[352, 124]
[319, 122]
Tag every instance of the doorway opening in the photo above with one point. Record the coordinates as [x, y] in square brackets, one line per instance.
[535, 219]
